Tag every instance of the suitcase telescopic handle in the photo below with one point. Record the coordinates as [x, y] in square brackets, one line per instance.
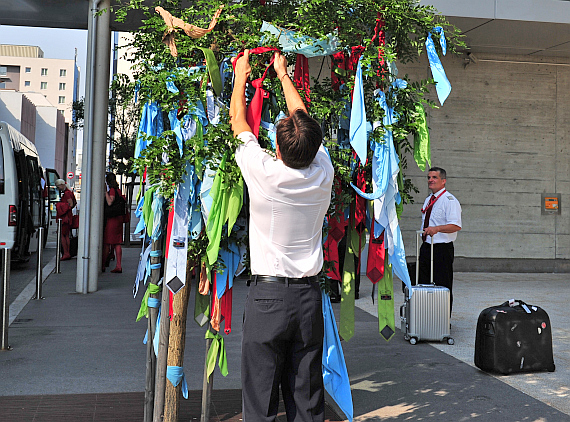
[419, 234]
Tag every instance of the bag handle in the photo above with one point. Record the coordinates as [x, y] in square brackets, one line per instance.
[517, 302]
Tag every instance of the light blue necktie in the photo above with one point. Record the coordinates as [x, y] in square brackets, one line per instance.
[442, 87]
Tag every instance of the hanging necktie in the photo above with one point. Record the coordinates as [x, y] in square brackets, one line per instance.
[348, 287]
[226, 308]
[422, 151]
[337, 225]
[301, 76]
[380, 35]
[202, 301]
[376, 257]
[253, 112]
[442, 85]
[386, 319]
[360, 205]
[339, 59]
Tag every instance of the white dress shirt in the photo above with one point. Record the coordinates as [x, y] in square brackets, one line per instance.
[446, 210]
[287, 210]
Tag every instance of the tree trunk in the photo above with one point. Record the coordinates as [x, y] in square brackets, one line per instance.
[176, 344]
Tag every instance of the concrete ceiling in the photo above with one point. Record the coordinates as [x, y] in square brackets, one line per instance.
[482, 34]
[72, 14]
[515, 37]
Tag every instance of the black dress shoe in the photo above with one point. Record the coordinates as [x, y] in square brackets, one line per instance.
[356, 295]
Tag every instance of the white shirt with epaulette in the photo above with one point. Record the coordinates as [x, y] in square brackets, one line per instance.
[446, 210]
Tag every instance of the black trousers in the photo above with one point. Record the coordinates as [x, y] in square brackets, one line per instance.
[282, 345]
[443, 255]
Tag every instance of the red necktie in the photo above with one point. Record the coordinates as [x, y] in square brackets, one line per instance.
[301, 76]
[376, 257]
[335, 234]
[429, 207]
[226, 307]
[253, 113]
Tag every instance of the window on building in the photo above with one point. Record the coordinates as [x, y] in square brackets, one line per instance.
[44, 71]
[43, 85]
[26, 83]
[2, 85]
[61, 99]
[62, 86]
[28, 69]
[62, 72]
[3, 71]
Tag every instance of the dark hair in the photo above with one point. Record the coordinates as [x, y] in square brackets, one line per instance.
[442, 173]
[299, 137]
[111, 180]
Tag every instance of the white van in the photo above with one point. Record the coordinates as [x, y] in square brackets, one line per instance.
[22, 206]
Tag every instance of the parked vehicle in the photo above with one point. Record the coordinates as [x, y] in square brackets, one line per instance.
[22, 203]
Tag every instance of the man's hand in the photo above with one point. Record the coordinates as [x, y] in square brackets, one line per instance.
[430, 231]
[280, 65]
[446, 228]
[242, 67]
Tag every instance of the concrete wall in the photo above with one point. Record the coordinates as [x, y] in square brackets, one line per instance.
[503, 137]
[28, 119]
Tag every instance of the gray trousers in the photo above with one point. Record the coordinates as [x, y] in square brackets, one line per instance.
[282, 345]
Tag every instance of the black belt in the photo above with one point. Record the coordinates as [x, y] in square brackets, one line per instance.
[283, 280]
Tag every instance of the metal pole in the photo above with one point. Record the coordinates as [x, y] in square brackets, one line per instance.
[4, 295]
[39, 275]
[207, 384]
[58, 248]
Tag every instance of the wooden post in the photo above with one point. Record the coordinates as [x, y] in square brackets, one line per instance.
[150, 356]
[161, 361]
[176, 345]
[208, 383]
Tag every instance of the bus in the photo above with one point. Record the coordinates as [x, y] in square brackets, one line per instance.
[22, 202]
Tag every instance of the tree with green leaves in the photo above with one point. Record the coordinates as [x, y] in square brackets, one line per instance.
[181, 59]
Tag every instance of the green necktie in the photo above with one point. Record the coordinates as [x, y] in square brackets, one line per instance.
[201, 308]
[348, 286]
[217, 347]
[422, 151]
[386, 322]
[150, 290]
[226, 205]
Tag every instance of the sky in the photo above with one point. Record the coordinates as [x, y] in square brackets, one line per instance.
[55, 43]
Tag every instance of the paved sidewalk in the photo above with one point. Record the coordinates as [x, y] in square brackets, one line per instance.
[70, 344]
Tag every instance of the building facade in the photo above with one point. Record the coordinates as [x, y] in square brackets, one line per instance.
[24, 69]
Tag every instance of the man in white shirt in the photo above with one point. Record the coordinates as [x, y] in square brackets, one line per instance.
[441, 220]
[289, 197]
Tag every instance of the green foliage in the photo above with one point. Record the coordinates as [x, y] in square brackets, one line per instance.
[405, 23]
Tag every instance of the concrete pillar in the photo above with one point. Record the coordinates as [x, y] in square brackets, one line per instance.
[94, 147]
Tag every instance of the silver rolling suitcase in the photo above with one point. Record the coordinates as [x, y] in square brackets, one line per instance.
[425, 312]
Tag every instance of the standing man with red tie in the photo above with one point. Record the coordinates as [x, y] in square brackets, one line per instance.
[441, 220]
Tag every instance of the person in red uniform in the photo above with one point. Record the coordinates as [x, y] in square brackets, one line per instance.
[64, 212]
[113, 232]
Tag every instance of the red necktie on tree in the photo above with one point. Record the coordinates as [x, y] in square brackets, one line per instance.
[335, 234]
[301, 76]
[253, 113]
[376, 256]
[427, 211]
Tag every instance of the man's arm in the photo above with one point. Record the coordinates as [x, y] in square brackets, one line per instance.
[447, 228]
[237, 104]
[292, 97]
